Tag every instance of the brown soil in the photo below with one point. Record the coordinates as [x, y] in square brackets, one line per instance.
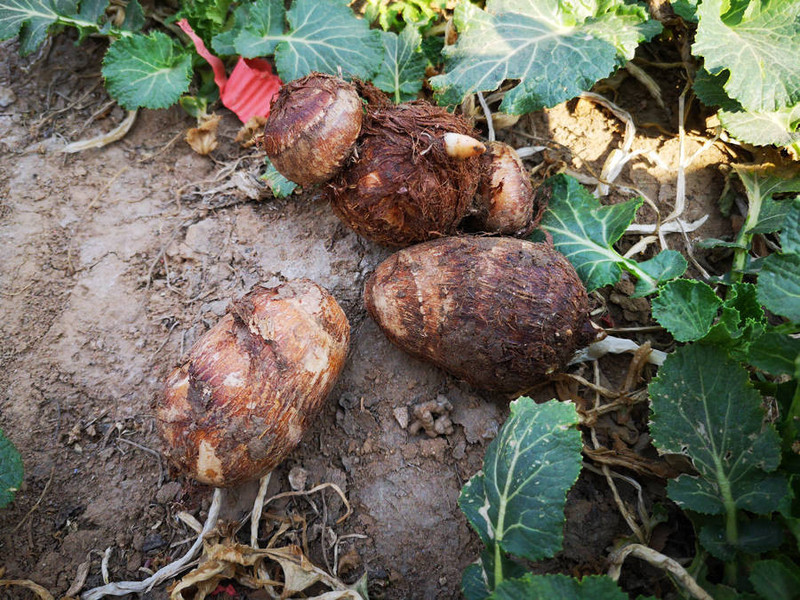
[115, 260]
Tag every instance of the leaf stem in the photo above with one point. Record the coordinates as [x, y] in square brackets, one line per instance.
[81, 24]
[731, 527]
[744, 237]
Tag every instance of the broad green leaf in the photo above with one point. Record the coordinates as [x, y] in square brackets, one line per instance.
[664, 266]
[779, 285]
[563, 587]
[686, 9]
[479, 578]
[774, 580]
[790, 236]
[754, 537]
[32, 19]
[473, 586]
[263, 28]
[134, 17]
[585, 231]
[773, 214]
[775, 353]
[280, 186]
[324, 36]
[710, 90]
[10, 470]
[764, 128]
[555, 50]
[704, 407]
[686, 308]
[150, 71]
[224, 43]
[761, 184]
[403, 67]
[516, 504]
[92, 10]
[759, 47]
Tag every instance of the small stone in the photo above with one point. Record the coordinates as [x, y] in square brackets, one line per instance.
[7, 96]
[152, 542]
[168, 492]
[298, 477]
[401, 416]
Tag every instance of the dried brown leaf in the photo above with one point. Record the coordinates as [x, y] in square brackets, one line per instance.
[203, 139]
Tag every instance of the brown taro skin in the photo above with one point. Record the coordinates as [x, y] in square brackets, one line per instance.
[253, 383]
[403, 187]
[505, 199]
[312, 128]
[500, 313]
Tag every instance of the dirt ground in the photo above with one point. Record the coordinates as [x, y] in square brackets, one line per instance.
[115, 260]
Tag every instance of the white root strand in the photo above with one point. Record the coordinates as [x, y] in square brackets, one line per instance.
[660, 561]
[488, 114]
[99, 141]
[615, 345]
[137, 587]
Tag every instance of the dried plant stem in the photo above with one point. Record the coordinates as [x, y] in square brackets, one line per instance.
[38, 502]
[258, 507]
[27, 583]
[657, 560]
[137, 587]
[629, 519]
[99, 141]
[313, 490]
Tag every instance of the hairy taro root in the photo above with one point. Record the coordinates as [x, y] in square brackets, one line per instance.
[399, 174]
[415, 177]
[500, 313]
[312, 127]
[253, 383]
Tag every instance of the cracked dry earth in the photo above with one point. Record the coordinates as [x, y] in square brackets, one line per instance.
[115, 260]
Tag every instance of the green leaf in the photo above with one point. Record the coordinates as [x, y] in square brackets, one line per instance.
[263, 28]
[224, 43]
[555, 49]
[403, 67]
[686, 308]
[755, 537]
[710, 90]
[774, 353]
[779, 285]
[686, 9]
[585, 231]
[774, 580]
[32, 19]
[704, 407]
[479, 578]
[516, 504]
[759, 47]
[764, 128]
[473, 586]
[280, 186]
[10, 470]
[92, 10]
[790, 236]
[563, 587]
[150, 71]
[207, 17]
[134, 17]
[741, 321]
[664, 266]
[324, 36]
